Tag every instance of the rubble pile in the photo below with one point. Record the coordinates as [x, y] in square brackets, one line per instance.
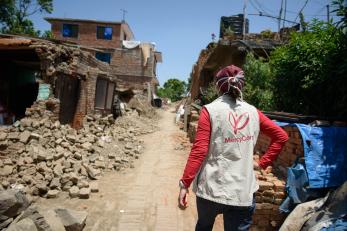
[43, 157]
[142, 106]
[292, 150]
[17, 214]
[268, 198]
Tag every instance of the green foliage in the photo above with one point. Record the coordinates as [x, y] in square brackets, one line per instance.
[258, 89]
[302, 22]
[229, 31]
[267, 34]
[209, 94]
[311, 72]
[172, 89]
[14, 15]
[47, 34]
[341, 11]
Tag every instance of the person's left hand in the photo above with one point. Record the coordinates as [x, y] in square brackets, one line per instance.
[183, 198]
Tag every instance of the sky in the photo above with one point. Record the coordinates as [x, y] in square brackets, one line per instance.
[180, 28]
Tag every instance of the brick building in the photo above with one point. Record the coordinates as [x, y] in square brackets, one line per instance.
[69, 73]
[132, 68]
[97, 34]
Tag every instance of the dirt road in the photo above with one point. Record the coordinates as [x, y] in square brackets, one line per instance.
[144, 197]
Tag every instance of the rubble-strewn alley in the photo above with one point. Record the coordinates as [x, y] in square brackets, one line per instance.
[43, 158]
[46, 157]
[74, 165]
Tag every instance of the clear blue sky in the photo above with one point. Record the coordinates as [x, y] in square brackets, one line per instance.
[180, 28]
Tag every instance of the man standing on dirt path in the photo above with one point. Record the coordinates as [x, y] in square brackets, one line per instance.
[221, 159]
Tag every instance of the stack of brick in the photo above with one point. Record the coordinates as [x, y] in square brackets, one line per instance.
[193, 126]
[270, 195]
[290, 152]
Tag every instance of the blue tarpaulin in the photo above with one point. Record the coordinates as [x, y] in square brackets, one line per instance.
[325, 151]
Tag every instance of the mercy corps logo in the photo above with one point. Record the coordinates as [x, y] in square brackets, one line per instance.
[238, 123]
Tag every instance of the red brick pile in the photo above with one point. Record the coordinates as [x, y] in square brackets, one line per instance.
[291, 150]
[270, 195]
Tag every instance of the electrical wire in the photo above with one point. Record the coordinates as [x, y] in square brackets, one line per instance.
[260, 10]
[302, 8]
[266, 10]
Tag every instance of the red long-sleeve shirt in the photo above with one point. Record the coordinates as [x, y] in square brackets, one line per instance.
[202, 140]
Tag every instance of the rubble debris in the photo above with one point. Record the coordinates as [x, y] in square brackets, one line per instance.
[12, 203]
[52, 219]
[46, 157]
[84, 193]
[94, 187]
[142, 106]
[268, 198]
[17, 215]
[52, 193]
[72, 220]
[23, 225]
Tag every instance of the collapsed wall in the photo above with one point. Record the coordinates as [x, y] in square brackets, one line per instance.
[42, 157]
[268, 198]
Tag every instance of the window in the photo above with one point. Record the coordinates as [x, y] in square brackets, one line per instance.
[70, 30]
[104, 94]
[105, 57]
[104, 32]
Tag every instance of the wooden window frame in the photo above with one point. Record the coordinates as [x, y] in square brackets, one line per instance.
[104, 108]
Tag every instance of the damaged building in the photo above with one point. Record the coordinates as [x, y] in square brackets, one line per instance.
[133, 62]
[224, 53]
[36, 69]
[85, 68]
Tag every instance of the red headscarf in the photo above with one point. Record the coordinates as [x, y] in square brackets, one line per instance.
[230, 77]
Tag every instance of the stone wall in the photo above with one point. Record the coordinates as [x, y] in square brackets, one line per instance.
[290, 152]
[86, 99]
[268, 198]
[196, 70]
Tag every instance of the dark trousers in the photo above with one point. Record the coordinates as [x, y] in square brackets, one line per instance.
[235, 217]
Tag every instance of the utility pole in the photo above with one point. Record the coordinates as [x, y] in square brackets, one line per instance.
[244, 20]
[280, 17]
[124, 12]
[285, 13]
[328, 13]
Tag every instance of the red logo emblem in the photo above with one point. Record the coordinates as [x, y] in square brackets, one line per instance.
[238, 122]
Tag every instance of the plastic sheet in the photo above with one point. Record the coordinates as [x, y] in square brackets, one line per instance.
[325, 150]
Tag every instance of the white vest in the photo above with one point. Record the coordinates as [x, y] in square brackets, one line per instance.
[226, 175]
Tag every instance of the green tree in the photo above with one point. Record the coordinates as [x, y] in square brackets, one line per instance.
[173, 89]
[341, 11]
[310, 72]
[14, 15]
[258, 89]
[47, 34]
